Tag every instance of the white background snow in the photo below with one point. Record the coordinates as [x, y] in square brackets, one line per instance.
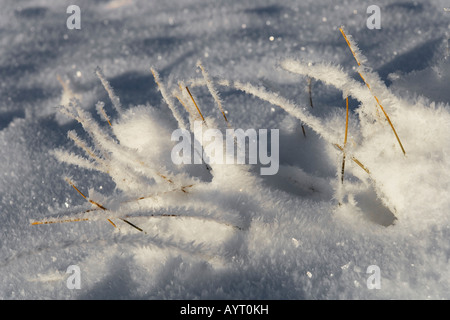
[294, 241]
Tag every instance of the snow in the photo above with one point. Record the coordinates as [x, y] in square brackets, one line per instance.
[94, 109]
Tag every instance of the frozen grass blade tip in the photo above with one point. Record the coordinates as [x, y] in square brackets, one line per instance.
[213, 91]
[168, 99]
[114, 99]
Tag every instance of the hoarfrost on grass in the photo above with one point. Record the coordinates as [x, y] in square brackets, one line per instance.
[223, 232]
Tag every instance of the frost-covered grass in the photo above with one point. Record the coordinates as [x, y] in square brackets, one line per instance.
[140, 226]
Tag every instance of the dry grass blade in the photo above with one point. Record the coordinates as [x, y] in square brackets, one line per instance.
[134, 226]
[310, 102]
[55, 221]
[310, 92]
[354, 159]
[35, 223]
[193, 100]
[368, 86]
[345, 142]
[102, 207]
[91, 201]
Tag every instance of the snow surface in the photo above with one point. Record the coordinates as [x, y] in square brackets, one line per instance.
[229, 232]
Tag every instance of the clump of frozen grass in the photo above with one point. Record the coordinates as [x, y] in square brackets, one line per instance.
[405, 184]
[136, 153]
[149, 184]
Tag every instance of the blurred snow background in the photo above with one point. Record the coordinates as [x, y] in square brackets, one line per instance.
[297, 243]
